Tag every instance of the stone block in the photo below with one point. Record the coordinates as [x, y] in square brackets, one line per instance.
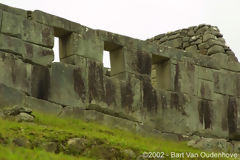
[215, 49]
[225, 83]
[163, 75]
[132, 96]
[57, 22]
[205, 89]
[220, 115]
[112, 93]
[14, 72]
[192, 49]
[10, 96]
[220, 58]
[86, 44]
[40, 82]
[95, 82]
[12, 24]
[74, 60]
[102, 118]
[13, 10]
[37, 33]
[185, 74]
[205, 73]
[149, 95]
[30, 31]
[138, 62]
[37, 54]
[123, 41]
[43, 106]
[68, 84]
[12, 45]
[176, 43]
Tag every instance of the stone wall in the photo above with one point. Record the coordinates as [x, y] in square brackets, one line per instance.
[150, 87]
[203, 39]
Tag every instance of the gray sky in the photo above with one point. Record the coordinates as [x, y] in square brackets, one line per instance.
[143, 19]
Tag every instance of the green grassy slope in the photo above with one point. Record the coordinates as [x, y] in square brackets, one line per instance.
[101, 142]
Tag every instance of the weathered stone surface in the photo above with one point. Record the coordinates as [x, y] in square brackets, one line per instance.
[192, 49]
[215, 49]
[13, 10]
[77, 145]
[24, 117]
[75, 60]
[131, 96]
[37, 54]
[18, 26]
[177, 43]
[10, 96]
[17, 113]
[70, 82]
[222, 85]
[208, 36]
[12, 45]
[205, 89]
[42, 106]
[37, 33]
[54, 21]
[95, 82]
[138, 62]
[86, 44]
[40, 82]
[205, 73]
[112, 92]
[11, 24]
[14, 72]
[211, 144]
[185, 73]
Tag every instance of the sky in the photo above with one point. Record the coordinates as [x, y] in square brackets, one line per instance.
[144, 19]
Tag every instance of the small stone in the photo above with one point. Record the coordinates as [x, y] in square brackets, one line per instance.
[174, 36]
[213, 42]
[208, 36]
[22, 142]
[215, 49]
[77, 145]
[191, 32]
[50, 147]
[15, 110]
[221, 40]
[186, 39]
[192, 49]
[24, 117]
[202, 30]
[186, 44]
[177, 43]
[128, 153]
[198, 41]
[1, 115]
[203, 46]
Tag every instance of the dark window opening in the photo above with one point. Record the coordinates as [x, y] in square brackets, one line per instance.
[160, 74]
[113, 59]
[56, 50]
[61, 40]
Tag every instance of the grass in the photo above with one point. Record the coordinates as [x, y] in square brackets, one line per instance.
[104, 142]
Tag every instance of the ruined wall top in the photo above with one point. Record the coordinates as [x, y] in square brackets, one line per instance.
[203, 39]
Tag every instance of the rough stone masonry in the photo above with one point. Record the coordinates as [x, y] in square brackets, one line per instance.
[184, 82]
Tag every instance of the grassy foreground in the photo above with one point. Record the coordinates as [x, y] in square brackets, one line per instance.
[102, 142]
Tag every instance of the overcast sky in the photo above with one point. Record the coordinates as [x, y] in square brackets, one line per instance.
[143, 19]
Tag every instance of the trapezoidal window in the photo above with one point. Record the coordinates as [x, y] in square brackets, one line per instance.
[60, 43]
[160, 74]
[113, 59]
[56, 50]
